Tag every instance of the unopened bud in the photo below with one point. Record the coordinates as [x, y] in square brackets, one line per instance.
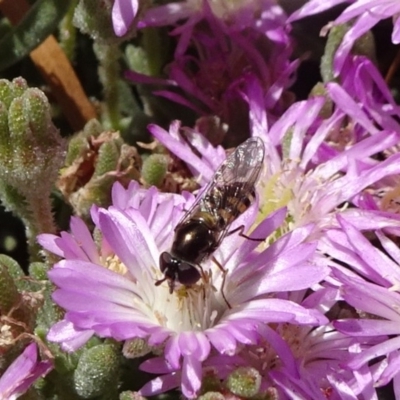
[365, 45]
[212, 396]
[244, 382]
[6, 92]
[154, 169]
[131, 396]
[135, 348]
[107, 159]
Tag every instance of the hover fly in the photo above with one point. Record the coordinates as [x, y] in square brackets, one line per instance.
[202, 229]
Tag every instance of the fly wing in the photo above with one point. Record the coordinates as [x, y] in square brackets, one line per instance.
[237, 176]
[242, 166]
[231, 190]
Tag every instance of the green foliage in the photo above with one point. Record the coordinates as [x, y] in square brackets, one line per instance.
[31, 152]
[41, 20]
[99, 157]
[93, 17]
[9, 295]
[98, 371]
[38, 270]
[31, 146]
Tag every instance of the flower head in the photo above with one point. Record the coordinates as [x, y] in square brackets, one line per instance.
[304, 169]
[304, 360]
[369, 283]
[116, 296]
[214, 55]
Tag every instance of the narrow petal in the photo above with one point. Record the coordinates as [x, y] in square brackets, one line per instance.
[66, 333]
[374, 352]
[191, 376]
[50, 243]
[160, 384]
[367, 327]
[123, 13]
[131, 239]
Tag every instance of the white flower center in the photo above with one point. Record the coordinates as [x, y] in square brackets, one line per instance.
[193, 308]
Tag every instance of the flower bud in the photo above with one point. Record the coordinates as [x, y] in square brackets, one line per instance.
[154, 169]
[108, 158]
[365, 45]
[37, 108]
[134, 348]
[131, 396]
[244, 382]
[212, 396]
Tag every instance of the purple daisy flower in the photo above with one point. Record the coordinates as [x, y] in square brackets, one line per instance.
[363, 88]
[310, 178]
[213, 56]
[304, 362]
[367, 13]
[376, 298]
[22, 373]
[304, 173]
[116, 296]
[368, 88]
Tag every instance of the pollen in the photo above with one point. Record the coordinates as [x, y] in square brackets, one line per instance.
[113, 263]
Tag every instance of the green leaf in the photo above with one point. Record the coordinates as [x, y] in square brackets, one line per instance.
[40, 21]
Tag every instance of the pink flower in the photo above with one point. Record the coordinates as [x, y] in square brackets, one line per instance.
[116, 296]
[215, 53]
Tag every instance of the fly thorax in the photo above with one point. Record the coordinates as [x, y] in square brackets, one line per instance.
[194, 241]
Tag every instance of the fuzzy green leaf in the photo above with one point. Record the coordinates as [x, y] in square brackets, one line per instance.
[40, 21]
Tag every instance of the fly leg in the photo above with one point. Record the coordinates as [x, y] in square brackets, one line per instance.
[224, 273]
[240, 229]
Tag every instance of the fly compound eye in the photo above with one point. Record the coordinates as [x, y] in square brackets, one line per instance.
[188, 274]
[165, 261]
